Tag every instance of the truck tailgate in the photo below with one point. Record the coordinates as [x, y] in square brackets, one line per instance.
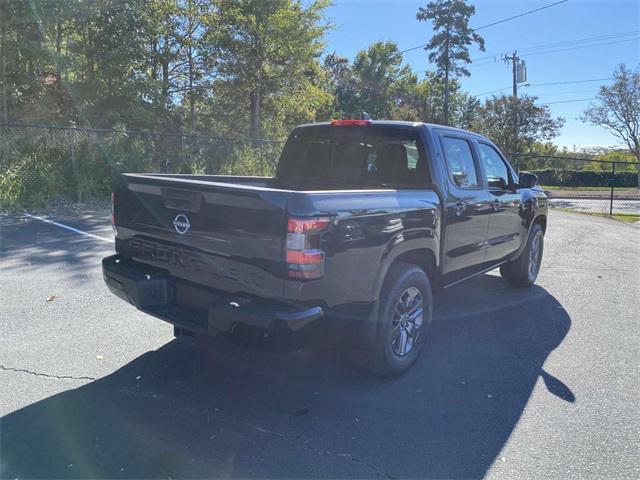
[221, 235]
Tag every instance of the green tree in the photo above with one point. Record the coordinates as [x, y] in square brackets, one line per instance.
[466, 111]
[180, 65]
[110, 88]
[449, 46]
[617, 109]
[496, 117]
[379, 74]
[267, 50]
[341, 84]
[102, 62]
[32, 38]
[423, 101]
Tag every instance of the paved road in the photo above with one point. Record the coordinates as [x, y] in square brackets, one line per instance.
[534, 383]
[597, 205]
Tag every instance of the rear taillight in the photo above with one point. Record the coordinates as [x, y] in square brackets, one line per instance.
[305, 259]
[351, 123]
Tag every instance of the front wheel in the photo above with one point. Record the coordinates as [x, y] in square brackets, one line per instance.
[401, 321]
[523, 271]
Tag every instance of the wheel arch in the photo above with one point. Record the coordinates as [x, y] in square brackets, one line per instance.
[422, 257]
[537, 219]
[541, 220]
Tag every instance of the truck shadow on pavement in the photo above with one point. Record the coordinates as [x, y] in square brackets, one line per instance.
[207, 408]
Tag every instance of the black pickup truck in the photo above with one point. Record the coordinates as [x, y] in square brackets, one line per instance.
[362, 219]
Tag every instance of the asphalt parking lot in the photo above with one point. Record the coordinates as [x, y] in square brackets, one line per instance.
[514, 383]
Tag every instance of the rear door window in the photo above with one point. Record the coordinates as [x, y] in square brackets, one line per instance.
[460, 162]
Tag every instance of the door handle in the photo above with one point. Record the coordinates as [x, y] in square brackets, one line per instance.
[495, 205]
[459, 208]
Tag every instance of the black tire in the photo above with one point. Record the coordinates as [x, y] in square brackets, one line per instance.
[383, 349]
[523, 271]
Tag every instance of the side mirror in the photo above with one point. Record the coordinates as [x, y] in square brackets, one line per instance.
[498, 182]
[527, 180]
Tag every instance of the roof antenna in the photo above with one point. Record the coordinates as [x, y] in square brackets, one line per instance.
[365, 116]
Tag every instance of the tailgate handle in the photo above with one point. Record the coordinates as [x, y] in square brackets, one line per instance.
[183, 200]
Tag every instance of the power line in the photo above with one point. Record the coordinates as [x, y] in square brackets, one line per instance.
[562, 44]
[581, 40]
[564, 92]
[493, 62]
[492, 91]
[498, 22]
[489, 62]
[570, 101]
[579, 47]
[520, 15]
[550, 103]
[571, 81]
[557, 50]
[547, 84]
[564, 101]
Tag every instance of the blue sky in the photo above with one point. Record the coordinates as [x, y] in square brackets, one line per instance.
[361, 22]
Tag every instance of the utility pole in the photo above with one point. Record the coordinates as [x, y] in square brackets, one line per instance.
[518, 69]
[514, 64]
[519, 74]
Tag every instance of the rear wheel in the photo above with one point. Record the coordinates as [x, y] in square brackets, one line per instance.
[401, 321]
[523, 271]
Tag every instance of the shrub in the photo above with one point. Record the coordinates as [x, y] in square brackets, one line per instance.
[585, 178]
[38, 165]
[247, 160]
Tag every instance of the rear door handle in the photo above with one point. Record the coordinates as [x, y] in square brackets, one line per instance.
[459, 208]
[495, 205]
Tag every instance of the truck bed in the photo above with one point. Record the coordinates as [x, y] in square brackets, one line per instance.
[237, 230]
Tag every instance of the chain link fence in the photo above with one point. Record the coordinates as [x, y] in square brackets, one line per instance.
[601, 187]
[40, 164]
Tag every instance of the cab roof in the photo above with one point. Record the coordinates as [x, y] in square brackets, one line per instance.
[404, 123]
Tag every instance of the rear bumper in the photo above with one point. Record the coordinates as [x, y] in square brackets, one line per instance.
[196, 308]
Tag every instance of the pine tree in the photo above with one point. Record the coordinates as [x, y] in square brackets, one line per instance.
[449, 46]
